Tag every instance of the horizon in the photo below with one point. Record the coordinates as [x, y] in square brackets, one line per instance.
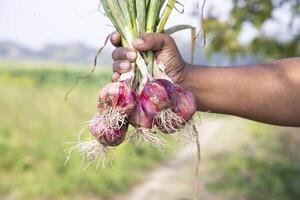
[35, 24]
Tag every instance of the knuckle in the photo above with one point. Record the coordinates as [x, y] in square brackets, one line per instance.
[115, 77]
[115, 54]
[152, 37]
[169, 39]
[114, 38]
[115, 33]
[116, 66]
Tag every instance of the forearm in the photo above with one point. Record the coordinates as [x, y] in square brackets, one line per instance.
[268, 93]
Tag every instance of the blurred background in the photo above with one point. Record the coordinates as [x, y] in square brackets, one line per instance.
[45, 45]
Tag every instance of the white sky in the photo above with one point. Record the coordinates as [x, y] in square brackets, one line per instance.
[34, 23]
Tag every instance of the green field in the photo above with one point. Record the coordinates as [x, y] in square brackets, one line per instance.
[255, 161]
[35, 121]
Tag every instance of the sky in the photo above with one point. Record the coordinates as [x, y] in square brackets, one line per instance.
[35, 23]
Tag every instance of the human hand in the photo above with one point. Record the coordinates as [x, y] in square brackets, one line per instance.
[164, 48]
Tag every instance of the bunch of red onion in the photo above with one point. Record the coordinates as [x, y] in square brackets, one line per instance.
[116, 102]
[142, 99]
[162, 106]
[159, 105]
[166, 105]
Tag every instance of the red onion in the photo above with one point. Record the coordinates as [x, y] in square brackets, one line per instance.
[169, 87]
[117, 96]
[139, 118]
[105, 135]
[154, 98]
[183, 108]
[114, 137]
[185, 103]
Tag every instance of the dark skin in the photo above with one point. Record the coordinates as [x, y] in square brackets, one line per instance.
[268, 93]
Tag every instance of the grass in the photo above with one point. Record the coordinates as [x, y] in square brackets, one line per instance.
[265, 167]
[35, 121]
[247, 161]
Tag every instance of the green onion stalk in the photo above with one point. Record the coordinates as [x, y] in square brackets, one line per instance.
[169, 108]
[133, 18]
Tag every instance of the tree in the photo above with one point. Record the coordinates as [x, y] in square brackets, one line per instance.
[224, 36]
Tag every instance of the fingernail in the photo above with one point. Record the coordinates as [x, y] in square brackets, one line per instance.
[131, 55]
[138, 41]
[115, 77]
[125, 65]
[114, 36]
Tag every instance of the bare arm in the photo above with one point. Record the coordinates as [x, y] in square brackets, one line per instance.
[267, 93]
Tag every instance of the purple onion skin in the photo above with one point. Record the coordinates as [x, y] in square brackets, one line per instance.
[114, 137]
[139, 118]
[185, 103]
[117, 95]
[154, 98]
[105, 135]
[169, 87]
[184, 106]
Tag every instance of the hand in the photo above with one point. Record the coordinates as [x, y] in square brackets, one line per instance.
[164, 48]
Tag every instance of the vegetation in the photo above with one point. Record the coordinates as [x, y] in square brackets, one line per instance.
[268, 167]
[283, 15]
[35, 121]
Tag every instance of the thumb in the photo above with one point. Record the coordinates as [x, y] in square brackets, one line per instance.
[152, 41]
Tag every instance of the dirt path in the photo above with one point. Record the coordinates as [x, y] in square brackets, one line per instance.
[175, 180]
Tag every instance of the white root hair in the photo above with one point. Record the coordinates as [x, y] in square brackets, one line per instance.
[114, 119]
[90, 150]
[145, 135]
[188, 132]
[169, 121]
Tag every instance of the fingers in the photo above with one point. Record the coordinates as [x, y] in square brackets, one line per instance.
[115, 39]
[124, 54]
[153, 42]
[115, 77]
[121, 66]
[150, 41]
[123, 57]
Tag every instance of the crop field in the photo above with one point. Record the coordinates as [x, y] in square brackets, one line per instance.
[35, 121]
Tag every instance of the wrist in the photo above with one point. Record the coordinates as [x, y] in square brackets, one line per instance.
[194, 79]
[186, 76]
